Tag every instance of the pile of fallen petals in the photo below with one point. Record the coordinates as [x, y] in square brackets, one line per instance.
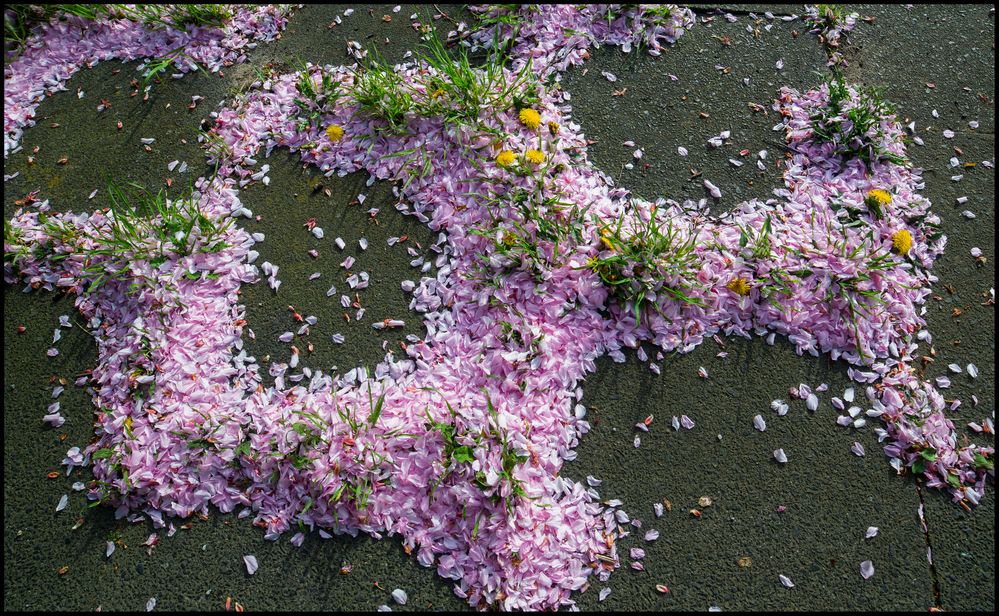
[458, 445]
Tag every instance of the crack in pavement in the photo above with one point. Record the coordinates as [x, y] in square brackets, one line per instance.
[934, 576]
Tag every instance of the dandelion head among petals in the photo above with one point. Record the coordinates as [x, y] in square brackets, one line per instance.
[505, 158]
[604, 233]
[530, 118]
[334, 132]
[535, 156]
[902, 241]
[739, 286]
[881, 197]
[553, 128]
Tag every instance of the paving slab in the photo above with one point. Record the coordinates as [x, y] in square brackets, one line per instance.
[949, 60]
[830, 495]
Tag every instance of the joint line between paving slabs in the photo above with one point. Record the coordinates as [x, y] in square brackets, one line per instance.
[929, 547]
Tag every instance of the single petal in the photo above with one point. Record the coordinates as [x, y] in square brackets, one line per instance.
[866, 569]
[400, 596]
[759, 423]
[251, 563]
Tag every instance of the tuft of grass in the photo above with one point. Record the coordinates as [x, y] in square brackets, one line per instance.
[827, 16]
[533, 227]
[648, 260]
[464, 93]
[314, 99]
[151, 228]
[761, 248]
[381, 93]
[858, 291]
[854, 121]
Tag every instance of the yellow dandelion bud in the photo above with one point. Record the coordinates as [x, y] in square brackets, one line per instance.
[604, 234]
[535, 156]
[881, 197]
[505, 158]
[553, 128]
[334, 132]
[437, 93]
[509, 239]
[902, 241]
[530, 118]
[739, 285]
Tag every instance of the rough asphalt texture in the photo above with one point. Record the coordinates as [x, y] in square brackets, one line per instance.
[926, 58]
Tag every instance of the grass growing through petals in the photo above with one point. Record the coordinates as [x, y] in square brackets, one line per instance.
[827, 16]
[761, 241]
[146, 227]
[855, 120]
[459, 449]
[451, 86]
[382, 93]
[857, 291]
[21, 19]
[314, 99]
[460, 91]
[648, 260]
[535, 225]
[176, 16]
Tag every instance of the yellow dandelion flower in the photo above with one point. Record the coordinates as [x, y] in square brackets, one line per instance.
[334, 132]
[505, 158]
[739, 285]
[875, 200]
[530, 118]
[437, 93]
[902, 241]
[509, 239]
[535, 156]
[553, 128]
[881, 197]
